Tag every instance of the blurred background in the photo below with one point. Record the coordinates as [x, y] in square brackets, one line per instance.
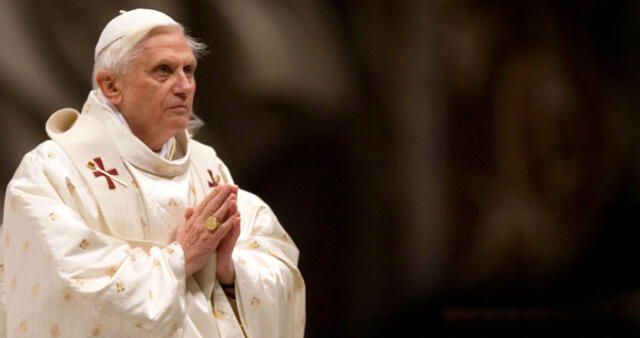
[453, 167]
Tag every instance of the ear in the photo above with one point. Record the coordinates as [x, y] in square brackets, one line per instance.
[109, 85]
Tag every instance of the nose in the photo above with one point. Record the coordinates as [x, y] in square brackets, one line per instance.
[184, 85]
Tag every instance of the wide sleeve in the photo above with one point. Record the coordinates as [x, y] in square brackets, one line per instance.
[144, 288]
[270, 291]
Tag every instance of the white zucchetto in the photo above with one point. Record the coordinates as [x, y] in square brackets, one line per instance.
[131, 26]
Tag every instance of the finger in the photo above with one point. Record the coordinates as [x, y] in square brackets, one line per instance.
[188, 213]
[233, 204]
[234, 223]
[222, 213]
[237, 219]
[203, 204]
[230, 223]
[235, 230]
[217, 201]
[204, 208]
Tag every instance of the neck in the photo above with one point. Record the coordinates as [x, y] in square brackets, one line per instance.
[153, 139]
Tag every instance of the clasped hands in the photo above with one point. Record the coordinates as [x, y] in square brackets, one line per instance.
[199, 244]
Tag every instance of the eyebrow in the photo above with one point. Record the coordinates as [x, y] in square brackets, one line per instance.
[165, 60]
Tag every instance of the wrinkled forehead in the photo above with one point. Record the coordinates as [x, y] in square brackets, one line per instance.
[166, 43]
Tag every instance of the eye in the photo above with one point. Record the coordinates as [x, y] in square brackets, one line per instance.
[189, 70]
[163, 69]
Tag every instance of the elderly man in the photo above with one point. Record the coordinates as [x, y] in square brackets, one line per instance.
[122, 225]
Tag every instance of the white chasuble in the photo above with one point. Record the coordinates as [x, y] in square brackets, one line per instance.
[88, 243]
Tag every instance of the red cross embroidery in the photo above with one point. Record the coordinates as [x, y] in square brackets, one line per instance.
[97, 173]
[213, 182]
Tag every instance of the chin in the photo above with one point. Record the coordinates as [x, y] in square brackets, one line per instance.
[179, 123]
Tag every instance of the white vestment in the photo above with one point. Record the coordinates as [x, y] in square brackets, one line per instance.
[81, 265]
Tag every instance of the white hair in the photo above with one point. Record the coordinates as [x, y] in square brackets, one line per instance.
[117, 56]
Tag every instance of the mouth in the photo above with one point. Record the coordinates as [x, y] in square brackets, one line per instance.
[181, 109]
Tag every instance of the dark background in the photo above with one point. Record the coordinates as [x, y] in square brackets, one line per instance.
[452, 167]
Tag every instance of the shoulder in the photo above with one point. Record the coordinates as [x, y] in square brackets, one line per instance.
[48, 156]
[249, 198]
[251, 203]
[199, 148]
[45, 152]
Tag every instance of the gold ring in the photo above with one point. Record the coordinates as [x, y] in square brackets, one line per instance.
[212, 223]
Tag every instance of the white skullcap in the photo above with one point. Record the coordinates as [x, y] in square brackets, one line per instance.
[131, 26]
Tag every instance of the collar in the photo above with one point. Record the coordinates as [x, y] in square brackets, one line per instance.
[166, 149]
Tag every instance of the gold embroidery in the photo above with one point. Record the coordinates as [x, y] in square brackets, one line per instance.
[255, 302]
[112, 271]
[25, 247]
[150, 294]
[120, 286]
[1, 268]
[139, 325]
[66, 295]
[36, 289]
[218, 314]
[285, 238]
[79, 281]
[143, 223]
[241, 262]
[7, 240]
[217, 178]
[156, 262]
[50, 155]
[24, 326]
[14, 283]
[96, 331]
[169, 250]
[174, 328]
[254, 244]
[173, 203]
[193, 189]
[55, 331]
[53, 216]
[133, 257]
[84, 244]
[275, 276]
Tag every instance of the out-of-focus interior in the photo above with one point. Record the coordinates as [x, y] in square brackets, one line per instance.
[454, 167]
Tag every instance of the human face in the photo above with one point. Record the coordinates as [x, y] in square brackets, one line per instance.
[157, 94]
